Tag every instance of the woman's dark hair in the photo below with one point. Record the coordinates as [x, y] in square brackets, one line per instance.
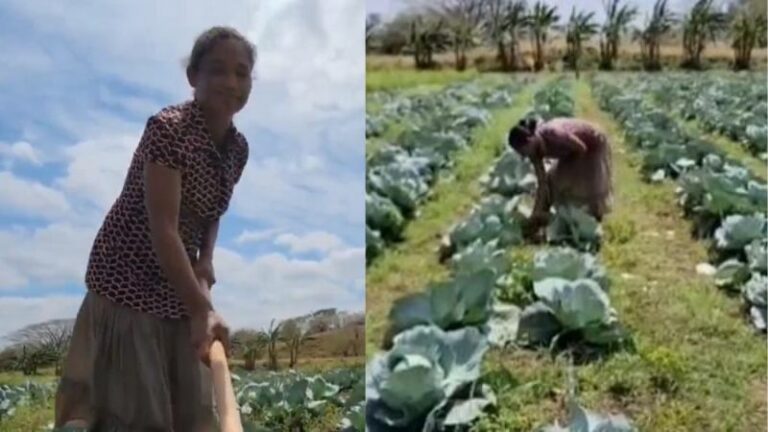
[522, 131]
[208, 39]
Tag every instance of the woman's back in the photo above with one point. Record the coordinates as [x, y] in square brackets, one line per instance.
[556, 134]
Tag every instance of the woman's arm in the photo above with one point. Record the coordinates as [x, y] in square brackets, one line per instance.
[578, 145]
[559, 144]
[209, 241]
[163, 199]
[203, 266]
[541, 205]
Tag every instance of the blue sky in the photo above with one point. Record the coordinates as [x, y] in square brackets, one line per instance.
[80, 79]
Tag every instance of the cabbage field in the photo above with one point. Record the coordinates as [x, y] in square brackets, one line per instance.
[269, 401]
[14, 396]
[473, 327]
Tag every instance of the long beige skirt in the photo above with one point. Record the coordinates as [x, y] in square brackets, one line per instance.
[131, 371]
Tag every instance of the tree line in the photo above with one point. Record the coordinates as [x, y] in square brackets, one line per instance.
[456, 26]
[44, 345]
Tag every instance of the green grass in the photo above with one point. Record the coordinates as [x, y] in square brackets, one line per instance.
[30, 418]
[400, 79]
[408, 266]
[16, 378]
[33, 417]
[698, 364]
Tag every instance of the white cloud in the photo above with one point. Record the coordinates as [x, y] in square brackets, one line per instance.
[96, 168]
[30, 198]
[255, 236]
[311, 53]
[20, 151]
[277, 194]
[18, 312]
[320, 241]
[251, 291]
[56, 254]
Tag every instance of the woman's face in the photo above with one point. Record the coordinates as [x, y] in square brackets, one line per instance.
[524, 145]
[527, 148]
[223, 80]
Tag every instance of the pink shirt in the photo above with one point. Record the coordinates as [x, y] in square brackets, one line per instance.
[557, 142]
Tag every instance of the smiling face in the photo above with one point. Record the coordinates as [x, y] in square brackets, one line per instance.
[222, 79]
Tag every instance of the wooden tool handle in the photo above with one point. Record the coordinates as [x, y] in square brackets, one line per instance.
[226, 405]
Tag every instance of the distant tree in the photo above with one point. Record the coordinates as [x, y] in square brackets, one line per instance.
[250, 345]
[618, 18]
[372, 23]
[45, 342]
[392, 37]
[747, 32]
[428, 36]
[293, 333]
[463, 20]
[580, 28]
[504, 22]
[540, 20]
[703, 22]
[659, 24]
[273, 336]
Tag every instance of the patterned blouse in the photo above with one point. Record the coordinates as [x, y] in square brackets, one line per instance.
[123, 265]
[558, 145]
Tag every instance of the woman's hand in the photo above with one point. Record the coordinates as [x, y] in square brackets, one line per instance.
[203, 268]
[204, 330]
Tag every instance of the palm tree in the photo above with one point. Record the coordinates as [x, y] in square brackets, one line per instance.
[250, 345]
[580, 28]
[427, 37]
[464, 19]
[372, 22]
[293, 334]
[273, 336]
[541, 18]
[746, 30]
[515, 20]
[493, 24]
[660, 23]
[505, 19]
[702, 22]
[616, 22]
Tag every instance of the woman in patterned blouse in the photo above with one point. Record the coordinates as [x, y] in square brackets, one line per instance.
[581, 175]
[141, 337]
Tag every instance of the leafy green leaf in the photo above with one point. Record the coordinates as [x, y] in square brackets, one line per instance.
[731, 274]
[574, 226]
[424, 367]
[576, 304]
[738, 231]
[570, 264]
[538, 325]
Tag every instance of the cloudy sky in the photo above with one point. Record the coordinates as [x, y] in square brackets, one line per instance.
[79, 80]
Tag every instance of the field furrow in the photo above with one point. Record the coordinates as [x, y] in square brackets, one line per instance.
[409, 265]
